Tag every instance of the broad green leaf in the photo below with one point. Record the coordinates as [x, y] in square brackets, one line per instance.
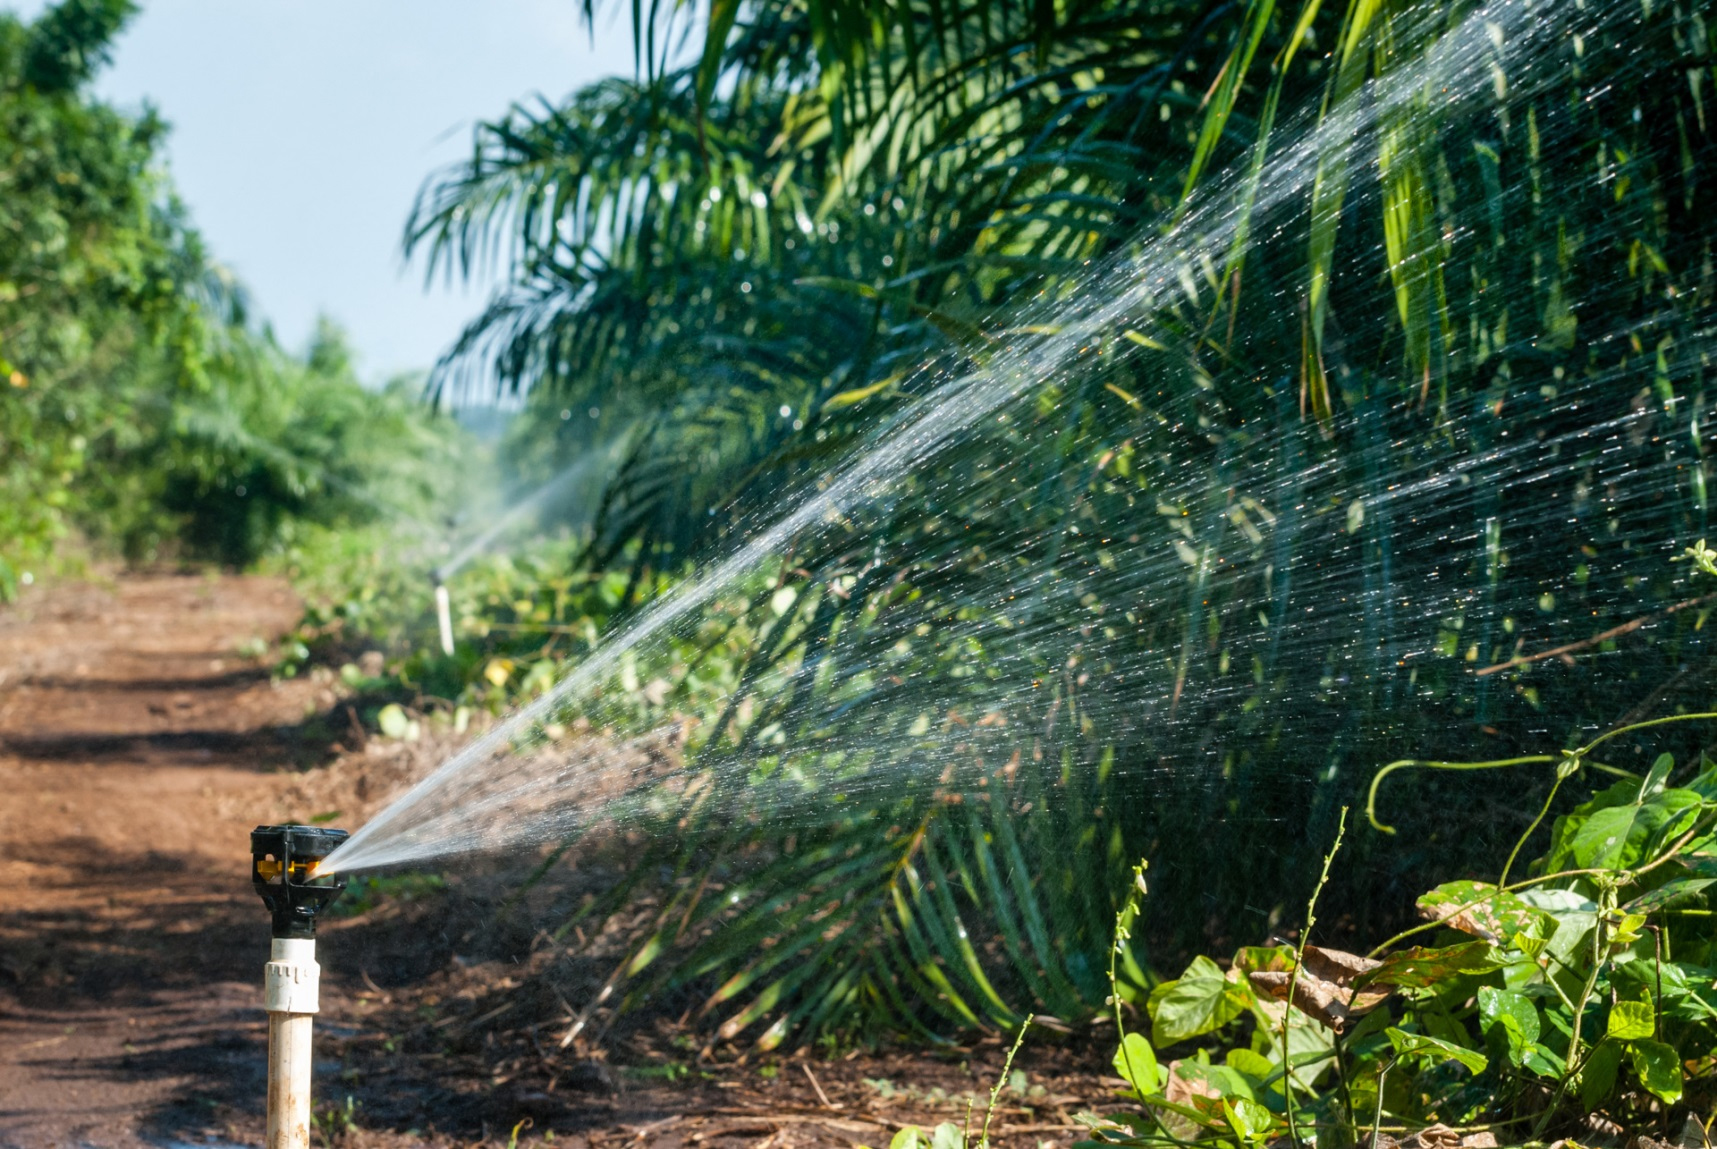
[947, 1136]
[1513, 1016]
[909, 1137]
[1533, 940]
[1560, 904]
[1598, 1077]
[1136, 1063]
[1250, 1121]
[1681, 810]
[1311, 1047]
[1499, 1003]
[1631, 1021]
[1220, 1080]
[1544, 1061]
[1250, 1062]
[1657, 775]
[1705, 782]
[1439, 1023]
[1574, 917]
[1201, 1001]
[1602, 841]
[1419, 1044]
[1568, 826]
[1423, 966]
[1686, 990]
[1372, 1023]
[1658, 1068]
[1626, 835]
[1495, 917]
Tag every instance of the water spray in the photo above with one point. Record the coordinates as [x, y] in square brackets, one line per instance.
[577, 472]
[283, 868]
[1111, 298]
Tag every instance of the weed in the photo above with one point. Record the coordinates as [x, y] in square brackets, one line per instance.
[334, 1121]
[1538, 999]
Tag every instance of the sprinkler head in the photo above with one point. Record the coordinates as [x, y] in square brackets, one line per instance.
[283, 862]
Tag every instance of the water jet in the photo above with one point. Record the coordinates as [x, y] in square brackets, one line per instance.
[283, 867]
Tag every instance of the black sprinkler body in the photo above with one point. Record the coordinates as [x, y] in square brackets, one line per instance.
[283, 860]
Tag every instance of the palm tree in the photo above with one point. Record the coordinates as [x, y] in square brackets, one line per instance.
[1357, 295]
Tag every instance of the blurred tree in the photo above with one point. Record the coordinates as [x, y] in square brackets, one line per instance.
[139, 405]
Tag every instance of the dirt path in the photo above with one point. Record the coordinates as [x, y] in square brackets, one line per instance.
[137, 749]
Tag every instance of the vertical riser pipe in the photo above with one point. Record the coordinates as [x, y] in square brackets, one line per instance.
[444, 618]
[288, 1081]
[291, 983]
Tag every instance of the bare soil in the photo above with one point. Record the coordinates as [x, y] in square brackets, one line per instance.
[138, 748]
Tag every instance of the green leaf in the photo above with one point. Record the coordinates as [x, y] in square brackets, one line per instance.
[947, 1136]
[1544, 1061]
[1421, 966]
[1598, 1077]
[651, 951]
[393, 721]
[1496, 1004]
[1512, 1016]
[1669, 892]
[1569, 826]
[1250, 1062]
[857, 394]
[1705, 782]
[1418, 1044]
[1250, 1121]
[1136, 1063]
[1669, 815]
[1657, 775]
[1602, 841]
[1658, 1068]
[1619, 836]
[1684, 989]
[721, 17]
[909, 1137]
[1202, 1000]
[1218, 1080]
[1496, 916]
[1631, 1021]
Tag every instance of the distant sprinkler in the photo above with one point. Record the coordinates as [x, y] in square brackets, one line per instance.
[444, 615]
[283, 861]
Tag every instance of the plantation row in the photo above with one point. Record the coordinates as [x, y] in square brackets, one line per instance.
[1386, 452]
[1313, 388]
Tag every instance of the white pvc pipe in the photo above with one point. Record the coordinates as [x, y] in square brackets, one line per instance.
[290, 983]
[444, 616]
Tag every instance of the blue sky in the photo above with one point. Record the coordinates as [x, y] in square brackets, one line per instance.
[302, 130]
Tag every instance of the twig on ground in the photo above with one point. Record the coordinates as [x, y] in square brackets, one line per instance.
[812, 1078]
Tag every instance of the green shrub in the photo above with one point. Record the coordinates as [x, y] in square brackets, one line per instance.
[1583, 988]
